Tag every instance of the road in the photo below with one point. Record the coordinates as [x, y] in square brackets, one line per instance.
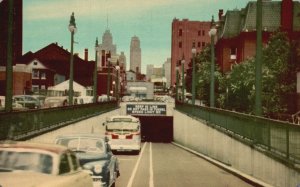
[166, 165]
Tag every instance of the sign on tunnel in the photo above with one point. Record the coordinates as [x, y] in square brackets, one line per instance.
[146, 109]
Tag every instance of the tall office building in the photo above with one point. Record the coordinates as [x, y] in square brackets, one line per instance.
[107, 43]
[135, 55]
[184, 34]
[17, 30]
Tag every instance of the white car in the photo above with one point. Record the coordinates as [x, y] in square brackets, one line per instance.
[45, 165]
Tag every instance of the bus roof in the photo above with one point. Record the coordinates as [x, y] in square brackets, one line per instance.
[117, 118]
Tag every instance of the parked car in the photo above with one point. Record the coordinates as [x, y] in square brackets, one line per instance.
[27, 101]
[45, 165]
[58, 101]
[41, 99]
[15, 106]
[95, 155]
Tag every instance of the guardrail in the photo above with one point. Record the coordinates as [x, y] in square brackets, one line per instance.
[25, 124]
[279, 139]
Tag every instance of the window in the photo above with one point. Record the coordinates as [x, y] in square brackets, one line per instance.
[180, 44]
[35, 74]
[203, 32]
[35, 63]
[199, 33]
[203, 44]
[74, 162]
[180, 32]
[64, 166]
[43, 75]
[35, 88]
[199, 44]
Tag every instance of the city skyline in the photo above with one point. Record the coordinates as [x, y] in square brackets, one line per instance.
[150, 21]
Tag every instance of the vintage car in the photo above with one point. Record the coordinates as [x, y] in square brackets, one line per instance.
[27, 101]
[58, 101]
[35, 164]
[94, 155]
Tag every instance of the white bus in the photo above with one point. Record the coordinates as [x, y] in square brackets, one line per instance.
[123, 133]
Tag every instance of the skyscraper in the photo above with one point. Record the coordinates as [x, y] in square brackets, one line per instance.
[107, 43]
[135, 55]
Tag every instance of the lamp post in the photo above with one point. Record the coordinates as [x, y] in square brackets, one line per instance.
[258, 61]
[193, 75]
[72, 29]
[212, 33]
[177, 81]
[183, 84]
[108, 78]
[117, 83]
[95, 71]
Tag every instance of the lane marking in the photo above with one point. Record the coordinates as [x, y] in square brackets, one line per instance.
[136, 166]
[151, 181]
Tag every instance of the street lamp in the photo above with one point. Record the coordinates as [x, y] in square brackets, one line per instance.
[183, 83]
[212, 33]
[193, 74]
[95, 71]
[117, 83]
[72, 29]
[177, 81]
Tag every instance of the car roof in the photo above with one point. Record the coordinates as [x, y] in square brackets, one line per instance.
[32, 145]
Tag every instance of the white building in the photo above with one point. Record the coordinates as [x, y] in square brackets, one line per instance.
[135, 55]
[167, 72]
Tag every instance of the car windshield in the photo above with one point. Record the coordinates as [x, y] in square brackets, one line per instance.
[122, 126]
[26, 161]
[82, 144]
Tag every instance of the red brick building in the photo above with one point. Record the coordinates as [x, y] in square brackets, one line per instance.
[51, 65]
[17, 30]
[237, 29]
[184, 33]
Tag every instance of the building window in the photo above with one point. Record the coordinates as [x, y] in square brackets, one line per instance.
[199, 44]
[203, 44]
[180, 45]
[35, 63]
[35, 74]
[180, 32]
[35, 88]
[43, 87]
[203, 32]
[199, 33]
[43, 75]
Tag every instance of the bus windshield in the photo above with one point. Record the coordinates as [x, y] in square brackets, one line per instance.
[122, 126]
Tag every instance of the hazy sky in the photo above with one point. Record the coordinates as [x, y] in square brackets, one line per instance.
[46, 21]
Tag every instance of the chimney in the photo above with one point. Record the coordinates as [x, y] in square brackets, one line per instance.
[220, 14]
[287, 15]
[86, 54]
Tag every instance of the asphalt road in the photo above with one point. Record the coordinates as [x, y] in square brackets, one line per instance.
[166, 165]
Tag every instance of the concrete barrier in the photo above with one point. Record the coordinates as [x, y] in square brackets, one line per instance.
[91, 125]
[196, 135]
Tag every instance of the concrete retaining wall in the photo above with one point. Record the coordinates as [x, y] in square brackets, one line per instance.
[196, 135]
[91, 125]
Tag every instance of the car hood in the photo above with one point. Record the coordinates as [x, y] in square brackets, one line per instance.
[91, 157]
[25, 179]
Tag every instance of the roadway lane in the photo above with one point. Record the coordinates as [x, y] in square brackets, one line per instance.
[166, 165]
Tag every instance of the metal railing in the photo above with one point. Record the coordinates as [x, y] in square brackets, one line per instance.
[25, 124]
[279, 139]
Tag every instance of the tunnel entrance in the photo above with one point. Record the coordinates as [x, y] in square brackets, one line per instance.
[157, 128]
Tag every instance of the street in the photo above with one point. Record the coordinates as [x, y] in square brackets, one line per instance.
[166, 165]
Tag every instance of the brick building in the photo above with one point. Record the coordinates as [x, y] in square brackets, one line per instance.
[237, 29]
[184, 33]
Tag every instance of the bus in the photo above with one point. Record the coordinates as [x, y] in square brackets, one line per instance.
[123, 133]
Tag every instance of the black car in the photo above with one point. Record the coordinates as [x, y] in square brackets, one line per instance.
[95, 155]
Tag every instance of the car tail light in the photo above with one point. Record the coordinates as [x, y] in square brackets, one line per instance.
[114, 136]
[129, 136]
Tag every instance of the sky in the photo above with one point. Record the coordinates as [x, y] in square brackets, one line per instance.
[46, 22]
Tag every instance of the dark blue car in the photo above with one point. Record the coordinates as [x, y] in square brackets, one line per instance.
[95, 156]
